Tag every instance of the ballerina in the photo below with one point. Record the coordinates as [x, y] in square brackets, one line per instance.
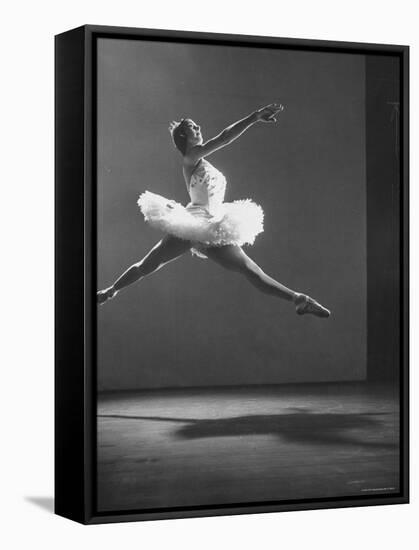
[207, 226]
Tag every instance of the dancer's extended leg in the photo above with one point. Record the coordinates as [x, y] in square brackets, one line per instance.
[235, 259]
[165, 251]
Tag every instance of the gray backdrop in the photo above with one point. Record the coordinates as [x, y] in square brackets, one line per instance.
[192, 323]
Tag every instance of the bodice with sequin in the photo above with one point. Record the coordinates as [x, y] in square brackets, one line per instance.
[207, 187]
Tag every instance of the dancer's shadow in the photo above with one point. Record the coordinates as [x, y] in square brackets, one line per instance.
[300, 426]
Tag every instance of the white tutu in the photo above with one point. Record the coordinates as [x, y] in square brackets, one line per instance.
[237, 222]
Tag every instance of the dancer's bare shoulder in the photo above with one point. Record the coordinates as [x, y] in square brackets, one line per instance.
[188, 168]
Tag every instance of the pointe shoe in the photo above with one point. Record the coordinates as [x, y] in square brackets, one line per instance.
[102, 296]
[307, 306]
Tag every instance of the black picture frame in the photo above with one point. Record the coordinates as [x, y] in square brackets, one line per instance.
[75, 272]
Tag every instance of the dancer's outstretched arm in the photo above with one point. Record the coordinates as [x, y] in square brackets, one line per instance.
[232, 132]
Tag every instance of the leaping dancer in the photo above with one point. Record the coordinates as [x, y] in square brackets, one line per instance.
[208, 226]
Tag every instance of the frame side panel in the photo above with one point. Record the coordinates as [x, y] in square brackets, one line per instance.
[404, 268]
[69, 275]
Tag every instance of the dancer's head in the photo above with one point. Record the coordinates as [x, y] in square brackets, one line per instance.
[185, 134]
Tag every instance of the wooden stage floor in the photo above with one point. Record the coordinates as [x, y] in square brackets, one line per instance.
[234, 445]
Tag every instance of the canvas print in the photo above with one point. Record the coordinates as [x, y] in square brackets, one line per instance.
[243, 354]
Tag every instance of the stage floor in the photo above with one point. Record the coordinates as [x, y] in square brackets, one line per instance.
[234, 445]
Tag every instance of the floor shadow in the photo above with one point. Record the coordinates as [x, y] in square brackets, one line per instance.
[300, 426]
[46, 503]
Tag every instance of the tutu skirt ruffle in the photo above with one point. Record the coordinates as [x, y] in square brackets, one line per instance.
[237, 222]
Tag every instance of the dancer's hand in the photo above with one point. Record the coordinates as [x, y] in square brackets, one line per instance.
[104, 295]
[270, 112]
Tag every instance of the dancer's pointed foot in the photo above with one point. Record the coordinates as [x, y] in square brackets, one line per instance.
[305, 305]
[103, 296]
